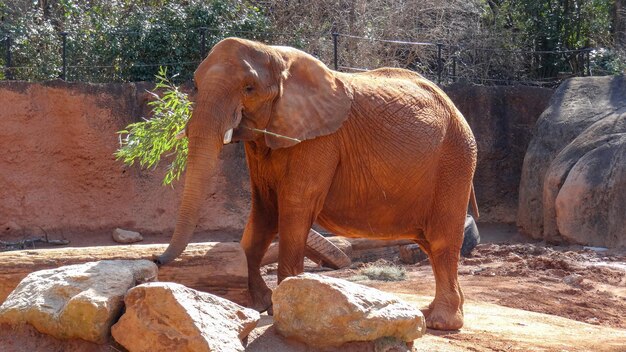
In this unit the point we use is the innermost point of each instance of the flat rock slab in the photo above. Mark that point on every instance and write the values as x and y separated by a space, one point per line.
323 311
165 316
219 268
75 301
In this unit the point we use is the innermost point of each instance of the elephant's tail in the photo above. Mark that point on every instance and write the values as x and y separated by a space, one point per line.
473 201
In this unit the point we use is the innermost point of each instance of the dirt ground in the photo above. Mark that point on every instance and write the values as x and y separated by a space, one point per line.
519 296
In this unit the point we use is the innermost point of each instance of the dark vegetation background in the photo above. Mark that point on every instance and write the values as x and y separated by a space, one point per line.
536 42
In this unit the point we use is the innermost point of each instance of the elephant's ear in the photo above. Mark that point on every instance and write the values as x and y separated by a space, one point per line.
313 102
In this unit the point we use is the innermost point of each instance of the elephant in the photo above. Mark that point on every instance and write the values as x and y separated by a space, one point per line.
382 154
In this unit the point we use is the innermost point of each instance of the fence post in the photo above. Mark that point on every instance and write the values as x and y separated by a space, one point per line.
64 55
8 73
335 59
439 62
454 68
203 43
588 62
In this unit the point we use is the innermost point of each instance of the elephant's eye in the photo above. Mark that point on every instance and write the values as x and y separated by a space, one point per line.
249 89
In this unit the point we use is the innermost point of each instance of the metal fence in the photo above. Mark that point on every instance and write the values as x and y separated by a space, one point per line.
443 63
74 59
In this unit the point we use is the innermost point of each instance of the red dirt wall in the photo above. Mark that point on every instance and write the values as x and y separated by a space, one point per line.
58 172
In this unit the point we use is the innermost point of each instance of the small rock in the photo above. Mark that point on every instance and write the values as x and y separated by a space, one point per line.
573 279
391 344
75 301
411 254
477 271
596 249
165 316
125 236
323 312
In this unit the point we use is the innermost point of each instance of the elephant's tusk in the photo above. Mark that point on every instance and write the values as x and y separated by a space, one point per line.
228 136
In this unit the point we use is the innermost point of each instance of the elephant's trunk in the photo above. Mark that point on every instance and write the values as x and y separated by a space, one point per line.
201 165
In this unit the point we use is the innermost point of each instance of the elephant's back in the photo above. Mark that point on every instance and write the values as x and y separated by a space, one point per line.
395 120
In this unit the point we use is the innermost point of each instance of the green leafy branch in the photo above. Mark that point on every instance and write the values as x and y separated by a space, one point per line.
146 141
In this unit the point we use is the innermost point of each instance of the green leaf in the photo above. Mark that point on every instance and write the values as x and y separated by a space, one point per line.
148 141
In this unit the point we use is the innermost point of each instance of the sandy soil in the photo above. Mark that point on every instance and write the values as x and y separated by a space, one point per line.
519 296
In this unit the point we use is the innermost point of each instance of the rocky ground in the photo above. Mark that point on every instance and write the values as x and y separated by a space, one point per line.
519 296
578 284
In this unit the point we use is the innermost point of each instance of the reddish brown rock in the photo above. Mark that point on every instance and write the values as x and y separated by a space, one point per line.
75 301
164 316
411 253
323 311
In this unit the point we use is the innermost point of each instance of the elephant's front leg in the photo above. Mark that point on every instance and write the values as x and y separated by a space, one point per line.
294 228
260 230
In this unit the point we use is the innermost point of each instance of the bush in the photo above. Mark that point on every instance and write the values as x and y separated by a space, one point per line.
122 41
382 272
607 62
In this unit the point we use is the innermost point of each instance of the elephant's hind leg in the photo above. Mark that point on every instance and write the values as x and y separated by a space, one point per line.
445 312
444 237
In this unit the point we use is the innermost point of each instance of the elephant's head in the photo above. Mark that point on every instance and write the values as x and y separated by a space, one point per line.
247 91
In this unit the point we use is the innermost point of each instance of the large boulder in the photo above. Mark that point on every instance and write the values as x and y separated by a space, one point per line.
573 186
323 312
165 316
75 301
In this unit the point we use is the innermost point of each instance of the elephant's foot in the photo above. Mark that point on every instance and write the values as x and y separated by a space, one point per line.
443 317
261 299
